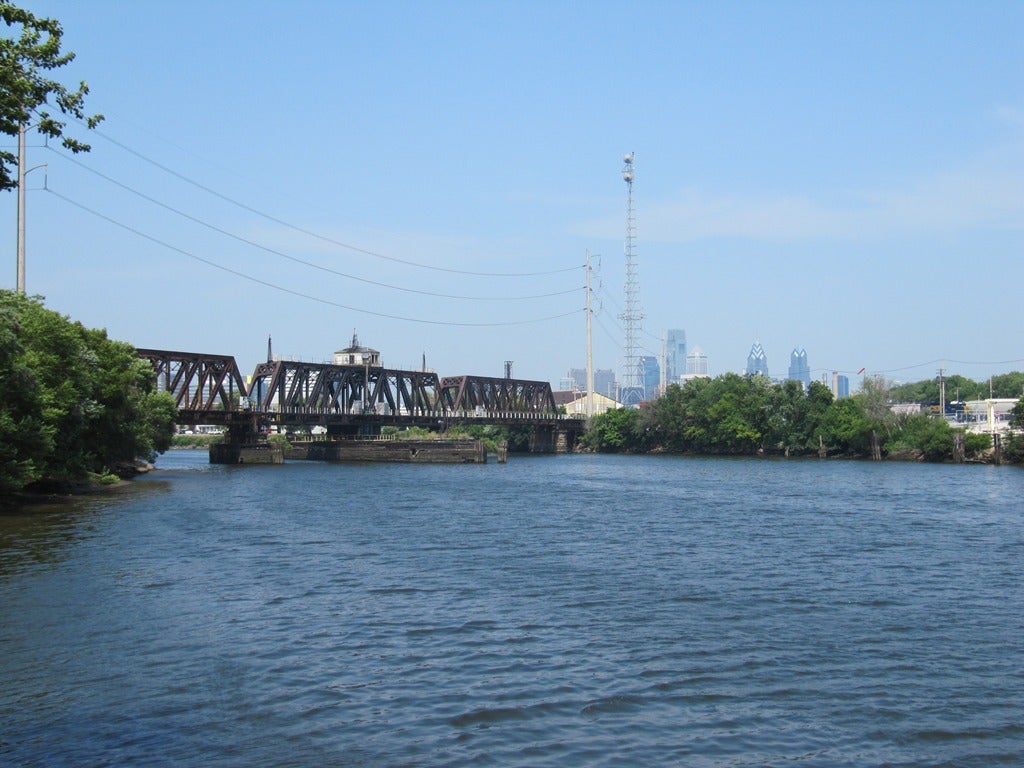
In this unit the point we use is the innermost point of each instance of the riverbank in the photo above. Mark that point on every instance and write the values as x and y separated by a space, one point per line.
48 492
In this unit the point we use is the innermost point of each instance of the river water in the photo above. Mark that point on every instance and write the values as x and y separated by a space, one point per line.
553 611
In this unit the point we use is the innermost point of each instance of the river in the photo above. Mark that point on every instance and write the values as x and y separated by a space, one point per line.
552 611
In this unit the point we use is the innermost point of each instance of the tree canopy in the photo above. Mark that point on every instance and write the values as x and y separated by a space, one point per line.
28 52
72 401
748 415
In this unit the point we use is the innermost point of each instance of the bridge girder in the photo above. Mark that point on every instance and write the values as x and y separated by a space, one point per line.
208 389
198 382
469 393
298 388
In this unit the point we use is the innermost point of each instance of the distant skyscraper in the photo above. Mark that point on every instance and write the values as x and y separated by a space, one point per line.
757 361
604 380
697 363
675 355
650 375
799 368
840 385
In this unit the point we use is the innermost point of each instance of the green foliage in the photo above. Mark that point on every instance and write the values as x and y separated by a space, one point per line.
195 441
29 50
1017 415
845 429
104 478
279 441
1013 449
1008 385
976 444
25 439
613 431
732 414
932 438
492 435
72 401
960 387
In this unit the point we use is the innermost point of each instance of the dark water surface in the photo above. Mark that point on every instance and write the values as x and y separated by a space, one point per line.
572 610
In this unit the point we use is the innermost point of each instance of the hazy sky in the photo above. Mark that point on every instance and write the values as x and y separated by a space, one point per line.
843 177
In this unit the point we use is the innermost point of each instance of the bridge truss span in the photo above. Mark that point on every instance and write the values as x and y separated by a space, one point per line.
486 395
350 400
204 386
313 391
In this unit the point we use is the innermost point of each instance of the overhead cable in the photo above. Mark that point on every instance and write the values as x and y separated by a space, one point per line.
295 259
276 287
316 235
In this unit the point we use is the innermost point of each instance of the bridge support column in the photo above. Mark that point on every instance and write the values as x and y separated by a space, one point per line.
542 440
553 439
245 443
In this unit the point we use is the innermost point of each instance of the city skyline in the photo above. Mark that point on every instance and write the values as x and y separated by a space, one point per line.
845 177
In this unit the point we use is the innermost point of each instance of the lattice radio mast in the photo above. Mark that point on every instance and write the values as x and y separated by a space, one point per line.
631 316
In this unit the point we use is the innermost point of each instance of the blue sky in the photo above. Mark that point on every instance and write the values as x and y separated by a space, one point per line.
843 177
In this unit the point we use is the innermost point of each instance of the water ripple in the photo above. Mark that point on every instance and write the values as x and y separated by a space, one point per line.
732 613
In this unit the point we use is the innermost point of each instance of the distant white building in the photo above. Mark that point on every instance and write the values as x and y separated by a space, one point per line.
906 409
696 364
990 416
575 402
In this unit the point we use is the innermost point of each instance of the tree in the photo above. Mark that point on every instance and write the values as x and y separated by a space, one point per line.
25 440
25 58
666 419
1008 384
1015 444
1017 415
613 431
846 428
72 401
931 437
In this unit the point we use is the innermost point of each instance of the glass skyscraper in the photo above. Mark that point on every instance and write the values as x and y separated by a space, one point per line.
604 380
799 368
675 355
650 375
757 361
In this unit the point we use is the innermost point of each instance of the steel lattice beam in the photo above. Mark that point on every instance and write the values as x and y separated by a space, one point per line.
493 395
293 387
210 389
198 382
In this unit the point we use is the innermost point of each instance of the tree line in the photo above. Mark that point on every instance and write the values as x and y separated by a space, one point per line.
73 403
750 415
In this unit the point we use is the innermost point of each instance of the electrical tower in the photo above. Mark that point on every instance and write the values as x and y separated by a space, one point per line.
632 389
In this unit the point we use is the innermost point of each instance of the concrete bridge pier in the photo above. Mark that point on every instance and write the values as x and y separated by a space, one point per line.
245 443
552 439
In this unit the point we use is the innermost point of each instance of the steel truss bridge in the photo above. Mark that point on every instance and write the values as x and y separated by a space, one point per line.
348 399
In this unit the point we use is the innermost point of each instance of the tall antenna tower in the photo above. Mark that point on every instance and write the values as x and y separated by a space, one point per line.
632 390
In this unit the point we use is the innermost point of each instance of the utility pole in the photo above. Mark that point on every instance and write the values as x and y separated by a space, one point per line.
942 393
22 173
590 349
21 208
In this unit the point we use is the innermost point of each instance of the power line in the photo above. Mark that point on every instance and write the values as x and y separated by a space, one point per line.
946 360
316 235
295 259
299 294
